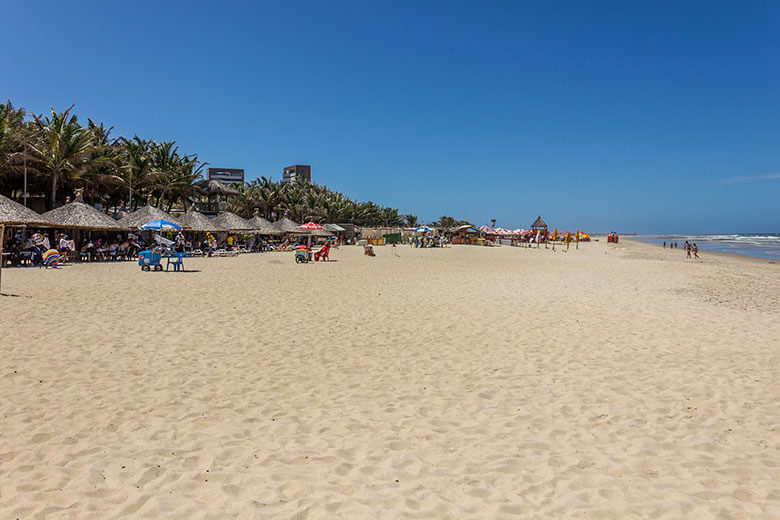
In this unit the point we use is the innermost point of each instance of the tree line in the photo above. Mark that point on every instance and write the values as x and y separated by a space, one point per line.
59 154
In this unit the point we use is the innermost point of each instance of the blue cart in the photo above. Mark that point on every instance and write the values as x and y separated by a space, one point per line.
149 259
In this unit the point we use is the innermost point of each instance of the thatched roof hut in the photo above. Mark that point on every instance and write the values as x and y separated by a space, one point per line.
285 225
196 221
227 221
539 223
213 187
78 215
13 213
143 215
261 225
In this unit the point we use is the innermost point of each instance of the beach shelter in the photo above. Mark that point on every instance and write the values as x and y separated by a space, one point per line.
213 190
14 214
285 225
333 228
143 215
230 222
261 225
78 215
196 221
160 225
539 224
487 229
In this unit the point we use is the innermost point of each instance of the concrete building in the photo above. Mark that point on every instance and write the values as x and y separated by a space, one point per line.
297 172
226 175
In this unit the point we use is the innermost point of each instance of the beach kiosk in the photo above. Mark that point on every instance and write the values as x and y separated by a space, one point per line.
539 229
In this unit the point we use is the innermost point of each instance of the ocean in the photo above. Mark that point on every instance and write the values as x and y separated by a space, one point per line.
757 245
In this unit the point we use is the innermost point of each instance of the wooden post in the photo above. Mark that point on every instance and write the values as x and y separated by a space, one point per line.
2 238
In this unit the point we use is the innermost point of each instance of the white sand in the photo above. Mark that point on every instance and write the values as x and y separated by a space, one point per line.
611 382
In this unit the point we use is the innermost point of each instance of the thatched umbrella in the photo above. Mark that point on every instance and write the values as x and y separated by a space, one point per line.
227 221
261 225
13 213
213 189
196 221
285 225
77 215
144 215
538 223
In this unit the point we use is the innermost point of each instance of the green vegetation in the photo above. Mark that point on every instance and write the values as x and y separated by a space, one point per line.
61 155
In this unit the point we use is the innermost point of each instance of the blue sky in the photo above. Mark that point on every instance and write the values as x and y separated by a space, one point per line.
654 117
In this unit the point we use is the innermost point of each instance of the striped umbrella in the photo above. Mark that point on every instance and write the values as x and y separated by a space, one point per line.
51 257
310 226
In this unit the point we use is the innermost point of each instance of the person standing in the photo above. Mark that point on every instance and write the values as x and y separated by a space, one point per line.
695 251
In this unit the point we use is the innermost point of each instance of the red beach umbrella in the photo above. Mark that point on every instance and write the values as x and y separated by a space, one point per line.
310 226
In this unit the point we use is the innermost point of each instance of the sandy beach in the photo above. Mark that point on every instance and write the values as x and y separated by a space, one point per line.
609 382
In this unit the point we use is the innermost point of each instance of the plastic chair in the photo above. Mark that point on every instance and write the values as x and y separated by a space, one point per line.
322 254
176 261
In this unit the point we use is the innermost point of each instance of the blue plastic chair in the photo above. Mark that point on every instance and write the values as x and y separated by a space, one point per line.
176 261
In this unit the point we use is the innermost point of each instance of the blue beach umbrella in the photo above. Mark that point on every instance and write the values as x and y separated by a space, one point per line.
160 225
423 229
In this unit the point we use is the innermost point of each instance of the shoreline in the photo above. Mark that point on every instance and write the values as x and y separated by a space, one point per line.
769 252
716 254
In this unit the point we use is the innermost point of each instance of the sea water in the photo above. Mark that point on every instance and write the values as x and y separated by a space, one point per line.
758 245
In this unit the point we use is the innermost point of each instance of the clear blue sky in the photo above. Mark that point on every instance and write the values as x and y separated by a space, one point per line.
652 117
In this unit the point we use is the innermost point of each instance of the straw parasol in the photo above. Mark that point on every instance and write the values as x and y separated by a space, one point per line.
144 215
227 221
539 223
196 221
13 213
214 187
261 225
285 225
78 215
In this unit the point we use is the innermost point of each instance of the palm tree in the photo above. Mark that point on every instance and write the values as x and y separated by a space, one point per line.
11 138
137 164
61 148
188 172
411 220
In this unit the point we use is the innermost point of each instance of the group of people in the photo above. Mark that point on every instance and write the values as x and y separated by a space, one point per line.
688 246
428 241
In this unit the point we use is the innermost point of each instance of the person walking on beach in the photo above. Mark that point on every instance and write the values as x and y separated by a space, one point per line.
687 249
695 251
665 245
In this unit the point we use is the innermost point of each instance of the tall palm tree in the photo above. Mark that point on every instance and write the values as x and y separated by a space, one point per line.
12 136
137 164
61 148
411 220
